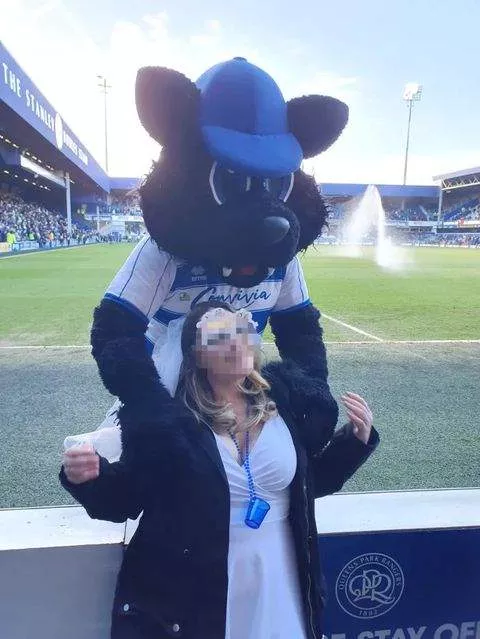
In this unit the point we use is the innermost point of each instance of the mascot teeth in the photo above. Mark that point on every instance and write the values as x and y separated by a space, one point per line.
226 271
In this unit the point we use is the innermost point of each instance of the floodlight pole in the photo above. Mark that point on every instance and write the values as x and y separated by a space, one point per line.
104 87
410 106
411 95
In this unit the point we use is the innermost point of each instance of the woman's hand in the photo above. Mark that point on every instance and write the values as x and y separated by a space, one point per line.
359 414
81 464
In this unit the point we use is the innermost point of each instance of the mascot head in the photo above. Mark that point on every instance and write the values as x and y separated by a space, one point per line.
228 191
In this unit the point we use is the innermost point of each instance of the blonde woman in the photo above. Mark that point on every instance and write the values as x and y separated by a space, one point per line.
224 471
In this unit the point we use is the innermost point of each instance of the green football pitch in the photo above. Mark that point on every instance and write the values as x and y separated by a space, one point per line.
408 341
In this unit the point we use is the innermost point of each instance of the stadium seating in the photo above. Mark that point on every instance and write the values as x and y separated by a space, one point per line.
448 239
21 221
413 213
125 204
467 209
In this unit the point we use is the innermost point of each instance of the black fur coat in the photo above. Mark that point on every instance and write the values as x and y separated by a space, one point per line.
173 581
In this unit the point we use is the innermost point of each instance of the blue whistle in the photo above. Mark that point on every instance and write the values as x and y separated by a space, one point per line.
257 509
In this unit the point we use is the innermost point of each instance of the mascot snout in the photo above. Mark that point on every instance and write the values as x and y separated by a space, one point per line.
275 228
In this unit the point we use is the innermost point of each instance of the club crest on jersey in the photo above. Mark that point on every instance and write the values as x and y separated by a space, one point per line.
198 270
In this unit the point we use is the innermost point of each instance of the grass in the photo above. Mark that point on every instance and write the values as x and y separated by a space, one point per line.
437 297
48 298
424 397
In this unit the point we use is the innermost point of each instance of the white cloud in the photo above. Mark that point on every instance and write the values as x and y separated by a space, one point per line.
63 60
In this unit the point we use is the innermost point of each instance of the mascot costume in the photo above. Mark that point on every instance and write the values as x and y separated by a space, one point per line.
227 208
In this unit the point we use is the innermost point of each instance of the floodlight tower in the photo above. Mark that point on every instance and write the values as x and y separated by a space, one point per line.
105 87
412 93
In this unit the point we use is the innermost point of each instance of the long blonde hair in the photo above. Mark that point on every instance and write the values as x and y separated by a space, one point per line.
196 391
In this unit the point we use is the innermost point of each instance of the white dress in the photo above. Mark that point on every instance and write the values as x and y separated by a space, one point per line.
264 600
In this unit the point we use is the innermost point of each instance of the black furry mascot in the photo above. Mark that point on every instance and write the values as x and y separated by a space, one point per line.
227 209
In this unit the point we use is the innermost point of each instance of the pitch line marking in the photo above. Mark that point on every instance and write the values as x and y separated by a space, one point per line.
352 328
345 343
39 251
50 250
46 347
411 341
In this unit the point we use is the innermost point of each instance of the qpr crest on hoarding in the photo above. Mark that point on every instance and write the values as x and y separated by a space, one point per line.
369 585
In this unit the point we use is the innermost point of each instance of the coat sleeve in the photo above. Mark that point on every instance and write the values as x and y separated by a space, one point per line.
340 459
114 496
152 441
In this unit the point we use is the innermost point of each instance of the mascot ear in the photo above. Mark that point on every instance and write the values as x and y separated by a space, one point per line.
167 104
316 121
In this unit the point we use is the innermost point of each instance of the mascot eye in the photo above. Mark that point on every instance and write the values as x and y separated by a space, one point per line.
280 188
226 184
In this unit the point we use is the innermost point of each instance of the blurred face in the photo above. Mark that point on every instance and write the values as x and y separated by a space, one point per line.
227 345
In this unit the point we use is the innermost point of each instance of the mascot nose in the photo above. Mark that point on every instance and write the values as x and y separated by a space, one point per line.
275 228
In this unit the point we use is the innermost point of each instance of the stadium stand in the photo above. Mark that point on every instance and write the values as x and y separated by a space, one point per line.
447 239
468 209
416 213
22 221
125 204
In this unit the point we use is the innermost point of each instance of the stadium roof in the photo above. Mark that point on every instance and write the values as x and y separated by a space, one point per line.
124 183
32 122
386 190
328 189
460 179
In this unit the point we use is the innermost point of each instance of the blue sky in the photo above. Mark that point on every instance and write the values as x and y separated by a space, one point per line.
361 51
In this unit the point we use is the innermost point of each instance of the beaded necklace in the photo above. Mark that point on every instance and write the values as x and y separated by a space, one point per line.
257 507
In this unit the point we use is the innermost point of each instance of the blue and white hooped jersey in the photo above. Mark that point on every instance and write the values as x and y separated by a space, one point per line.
159 288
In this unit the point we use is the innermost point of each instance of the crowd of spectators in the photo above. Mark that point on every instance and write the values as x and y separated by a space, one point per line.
338 211
448 239
468 209
411 214
125 204
22 221
405 237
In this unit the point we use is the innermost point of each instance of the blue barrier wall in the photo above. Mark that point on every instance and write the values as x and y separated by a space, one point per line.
403 585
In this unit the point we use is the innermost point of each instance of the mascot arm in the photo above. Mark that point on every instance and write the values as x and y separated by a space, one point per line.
299 338
294 322
120 321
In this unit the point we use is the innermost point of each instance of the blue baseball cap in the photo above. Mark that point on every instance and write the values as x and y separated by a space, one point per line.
243 119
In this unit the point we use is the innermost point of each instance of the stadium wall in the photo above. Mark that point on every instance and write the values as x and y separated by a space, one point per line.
387 559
